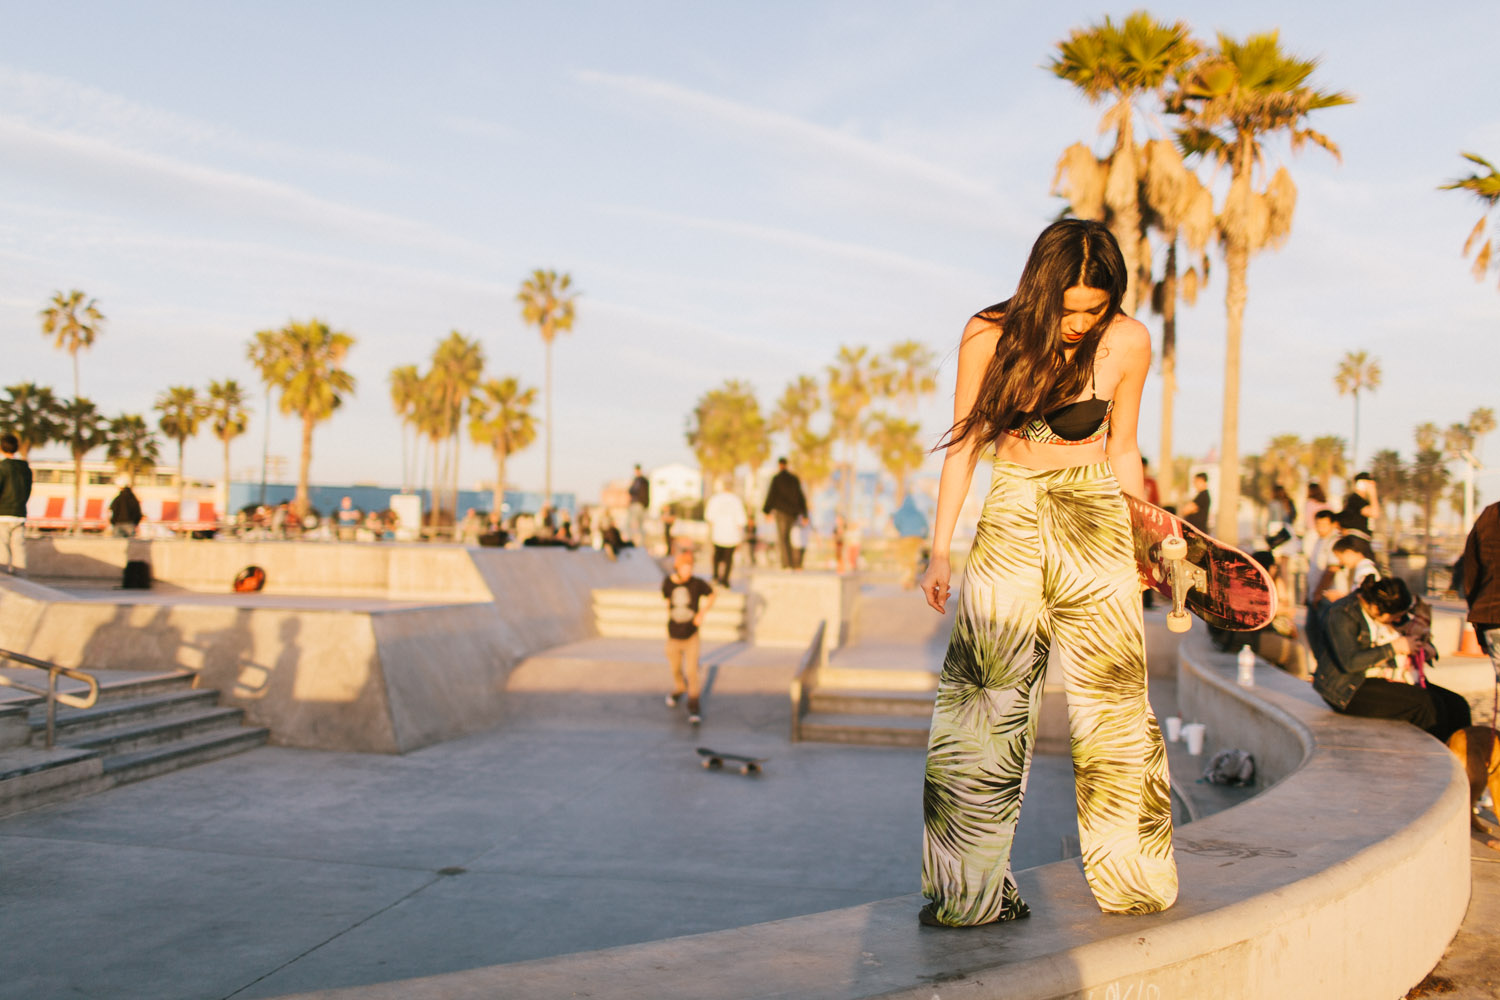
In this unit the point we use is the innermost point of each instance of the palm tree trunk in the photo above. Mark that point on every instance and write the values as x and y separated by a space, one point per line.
77 484
1237 257
1122 195
224 501
181 480
1354 458
1164 463
547 479
432 491
304 467
499 506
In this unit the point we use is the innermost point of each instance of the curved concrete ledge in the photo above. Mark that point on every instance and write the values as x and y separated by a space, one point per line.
1347 878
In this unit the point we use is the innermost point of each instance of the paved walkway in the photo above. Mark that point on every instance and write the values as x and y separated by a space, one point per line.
582 823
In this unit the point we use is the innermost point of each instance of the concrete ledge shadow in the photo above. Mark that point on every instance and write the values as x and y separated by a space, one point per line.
1347 878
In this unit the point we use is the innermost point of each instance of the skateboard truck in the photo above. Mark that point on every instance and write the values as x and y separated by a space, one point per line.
1174 551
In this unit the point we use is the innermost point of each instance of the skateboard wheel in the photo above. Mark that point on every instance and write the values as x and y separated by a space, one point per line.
1173 548
1179 622
713 763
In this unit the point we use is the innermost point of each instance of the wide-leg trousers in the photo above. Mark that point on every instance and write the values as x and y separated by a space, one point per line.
1051 575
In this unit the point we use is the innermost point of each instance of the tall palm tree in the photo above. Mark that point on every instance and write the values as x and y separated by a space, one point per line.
302 360
500 419
457 365
74 322
854 379
1356 371
912 372
1485 187
87 430
1325 460
406 392
33 414
726 430
181 412
547 303
1283 461
1230 101
1181 209
229 409
1481 422
1118 64
896 443
132 446
1428 435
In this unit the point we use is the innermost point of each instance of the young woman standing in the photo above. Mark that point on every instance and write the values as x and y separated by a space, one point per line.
1052 380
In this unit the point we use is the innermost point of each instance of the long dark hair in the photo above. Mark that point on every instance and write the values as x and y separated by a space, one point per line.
1029 372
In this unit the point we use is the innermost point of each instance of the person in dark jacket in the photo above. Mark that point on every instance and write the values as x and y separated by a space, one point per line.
124 512
1480 576
1359 636
640 502
15 490
786 503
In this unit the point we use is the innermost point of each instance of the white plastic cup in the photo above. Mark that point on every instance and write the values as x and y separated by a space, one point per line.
1193 733
1174 728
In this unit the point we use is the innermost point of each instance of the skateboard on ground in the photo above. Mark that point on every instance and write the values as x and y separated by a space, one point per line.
714 759
1198 573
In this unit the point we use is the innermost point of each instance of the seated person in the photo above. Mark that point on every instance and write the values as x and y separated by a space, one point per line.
1361 639
547 536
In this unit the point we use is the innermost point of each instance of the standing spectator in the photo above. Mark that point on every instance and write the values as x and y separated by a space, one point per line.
640 502
1316 500
124 511
725 514
1320 560
279 518
668 519
752 540
1481 580
688 600
1360 504
785 502
1153 492
348 520
469 529
15 490
1195 511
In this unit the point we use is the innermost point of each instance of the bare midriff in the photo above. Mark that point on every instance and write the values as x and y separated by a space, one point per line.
1047 456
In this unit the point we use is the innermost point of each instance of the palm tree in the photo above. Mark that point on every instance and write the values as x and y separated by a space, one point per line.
181 411
1118 64
547 304
1356 371
911 372
33 414
1481 422
1427 436
457 364
406 393
1325 460
1283 461
1485 187
73 321
1390 476
1428 476
86 431
302 361
854 379
500 418
1181 209
896 443
229 409
726 430
132 447
1230 101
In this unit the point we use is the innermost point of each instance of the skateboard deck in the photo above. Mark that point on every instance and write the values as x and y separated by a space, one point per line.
1198 573
715 759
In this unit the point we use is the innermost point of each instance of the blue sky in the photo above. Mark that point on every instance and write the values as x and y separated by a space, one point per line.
738 189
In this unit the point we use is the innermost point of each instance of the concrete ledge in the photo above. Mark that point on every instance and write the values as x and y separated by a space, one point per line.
1347 878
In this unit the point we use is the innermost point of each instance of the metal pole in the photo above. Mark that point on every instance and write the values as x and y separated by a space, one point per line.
265 451
51 705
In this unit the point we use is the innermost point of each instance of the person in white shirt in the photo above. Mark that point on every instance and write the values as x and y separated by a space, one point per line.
725 514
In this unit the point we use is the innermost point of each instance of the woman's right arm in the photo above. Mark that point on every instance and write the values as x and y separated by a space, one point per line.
974 354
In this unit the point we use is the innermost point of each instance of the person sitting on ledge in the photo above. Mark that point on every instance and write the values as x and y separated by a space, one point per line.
1361 638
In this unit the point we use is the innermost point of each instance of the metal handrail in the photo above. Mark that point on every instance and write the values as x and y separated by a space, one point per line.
50 692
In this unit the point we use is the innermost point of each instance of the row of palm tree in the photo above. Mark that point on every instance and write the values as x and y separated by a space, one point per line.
1224 102
727 429
435 403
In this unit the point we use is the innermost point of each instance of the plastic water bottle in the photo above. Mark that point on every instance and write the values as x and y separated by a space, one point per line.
1247 667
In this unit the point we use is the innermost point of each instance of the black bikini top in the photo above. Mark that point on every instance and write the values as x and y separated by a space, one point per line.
1080 422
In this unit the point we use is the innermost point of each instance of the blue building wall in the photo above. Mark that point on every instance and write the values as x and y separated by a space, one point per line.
326 499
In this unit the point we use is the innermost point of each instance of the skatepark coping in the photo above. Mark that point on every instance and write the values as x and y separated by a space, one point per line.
1291 894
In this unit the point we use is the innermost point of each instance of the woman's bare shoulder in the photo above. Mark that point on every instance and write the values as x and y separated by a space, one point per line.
1129 336
981 329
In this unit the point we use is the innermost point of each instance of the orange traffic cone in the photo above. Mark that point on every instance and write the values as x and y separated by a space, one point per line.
1468 642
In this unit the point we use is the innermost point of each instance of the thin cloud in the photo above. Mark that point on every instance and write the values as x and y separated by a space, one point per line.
102 165
800 134
66 105
480 128
793 239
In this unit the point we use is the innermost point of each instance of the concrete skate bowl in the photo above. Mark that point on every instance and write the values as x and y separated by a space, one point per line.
1347 876
369 647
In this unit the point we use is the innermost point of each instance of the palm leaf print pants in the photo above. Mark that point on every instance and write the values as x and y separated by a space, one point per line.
1052 574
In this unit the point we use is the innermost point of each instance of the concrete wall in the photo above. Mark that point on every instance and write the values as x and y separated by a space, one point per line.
365 677
786 607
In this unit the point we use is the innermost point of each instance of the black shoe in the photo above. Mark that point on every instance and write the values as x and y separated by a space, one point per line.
693 716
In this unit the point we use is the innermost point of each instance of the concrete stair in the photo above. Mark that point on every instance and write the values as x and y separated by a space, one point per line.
140 726
641 613
871 706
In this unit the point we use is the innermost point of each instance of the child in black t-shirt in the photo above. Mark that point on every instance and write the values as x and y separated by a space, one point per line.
688 600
